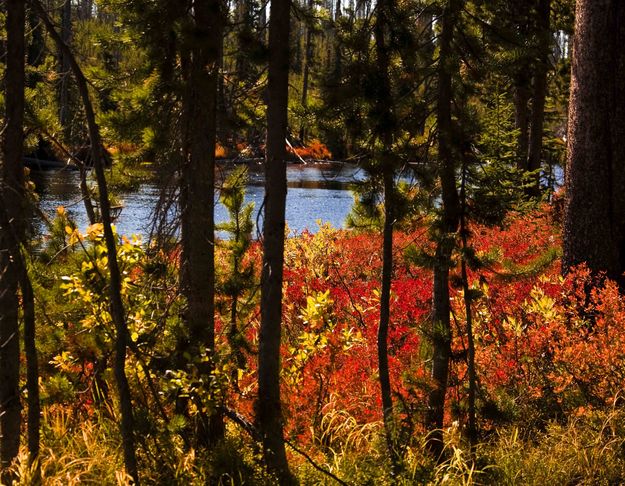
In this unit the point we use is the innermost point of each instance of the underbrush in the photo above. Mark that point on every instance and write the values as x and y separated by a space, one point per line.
583 451
549 360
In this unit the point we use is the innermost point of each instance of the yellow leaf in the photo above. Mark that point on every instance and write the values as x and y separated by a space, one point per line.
95 230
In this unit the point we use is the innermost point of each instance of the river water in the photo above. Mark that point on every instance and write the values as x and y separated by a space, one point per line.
316 192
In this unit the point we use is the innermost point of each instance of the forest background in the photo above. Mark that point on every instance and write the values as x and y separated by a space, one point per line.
468 327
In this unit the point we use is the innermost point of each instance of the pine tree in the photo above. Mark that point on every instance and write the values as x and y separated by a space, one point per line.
594 227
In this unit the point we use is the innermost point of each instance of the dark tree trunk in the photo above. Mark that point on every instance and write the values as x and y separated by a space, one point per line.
12 191
338 61
385 301
32 365
441 326
308 55
64 68
472 431
534 155
35 54
385 126
269 406
116 305
594 226
14 199
197 195
85 193
522 116
521 80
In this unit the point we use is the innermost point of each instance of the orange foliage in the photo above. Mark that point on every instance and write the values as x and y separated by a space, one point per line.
314 150
220 151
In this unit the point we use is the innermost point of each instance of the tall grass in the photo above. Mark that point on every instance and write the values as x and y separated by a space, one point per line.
587 450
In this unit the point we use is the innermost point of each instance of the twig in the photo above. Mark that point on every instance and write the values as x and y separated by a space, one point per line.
315 465
255 434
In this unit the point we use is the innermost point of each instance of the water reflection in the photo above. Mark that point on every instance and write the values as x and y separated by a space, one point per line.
316 192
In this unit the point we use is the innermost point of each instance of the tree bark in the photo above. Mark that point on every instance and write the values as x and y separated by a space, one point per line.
441 326
522 116
197 195
12 191
269 406
12 247
385 124
308 55
35 51
116 305
534 155
32 364
472 430
594 226
64 68
385 304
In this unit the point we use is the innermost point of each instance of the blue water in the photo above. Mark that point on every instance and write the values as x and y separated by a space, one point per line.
317 193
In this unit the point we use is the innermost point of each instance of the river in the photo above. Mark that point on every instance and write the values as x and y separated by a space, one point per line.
316 192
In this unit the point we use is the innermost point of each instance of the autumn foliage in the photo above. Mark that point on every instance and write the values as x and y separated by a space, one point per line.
543 349
548 348
314 150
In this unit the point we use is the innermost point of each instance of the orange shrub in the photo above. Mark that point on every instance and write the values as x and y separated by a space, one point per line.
314 150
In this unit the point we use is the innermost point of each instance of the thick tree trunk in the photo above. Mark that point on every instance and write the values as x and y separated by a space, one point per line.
441 326
534 155
197 199
594 226
12 247
116 305
269 407
12 191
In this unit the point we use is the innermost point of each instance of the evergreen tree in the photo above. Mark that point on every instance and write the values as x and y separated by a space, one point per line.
12 192
269 406
594 227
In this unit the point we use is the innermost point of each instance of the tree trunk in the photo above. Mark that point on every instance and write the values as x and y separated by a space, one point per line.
64 69
385 302
308 55
36 49
522 116
269 407
12 247
338 61
13 234
385 126
472 431
12 191
197 195
534 155
441 326
594 226
32 365
116 305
